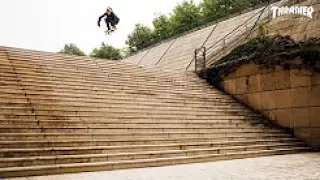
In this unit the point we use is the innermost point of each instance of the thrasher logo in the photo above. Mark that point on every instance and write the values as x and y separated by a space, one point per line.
295 10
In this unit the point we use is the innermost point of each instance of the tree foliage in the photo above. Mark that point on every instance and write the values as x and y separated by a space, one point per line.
106 52
72 49
162 27
186 16
141 37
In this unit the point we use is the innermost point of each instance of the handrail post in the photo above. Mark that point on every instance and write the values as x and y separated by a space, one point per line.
224 43
195 59
204 58
246 24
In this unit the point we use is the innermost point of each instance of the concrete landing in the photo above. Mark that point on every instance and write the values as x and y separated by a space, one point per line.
285 167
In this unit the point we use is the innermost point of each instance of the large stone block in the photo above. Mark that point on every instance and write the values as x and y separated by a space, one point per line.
314 96
312 25
275 81
229 86
314 114
301 117
315 135
300 97
247 70
300 78
284 117
315 79
230 76
241 85
243 98
300 28
303 134
255 101
283 98
254 84
268 102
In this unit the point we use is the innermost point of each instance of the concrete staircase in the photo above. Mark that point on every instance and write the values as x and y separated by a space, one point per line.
63 114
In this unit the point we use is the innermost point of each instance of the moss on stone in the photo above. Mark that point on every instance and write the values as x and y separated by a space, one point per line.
266 52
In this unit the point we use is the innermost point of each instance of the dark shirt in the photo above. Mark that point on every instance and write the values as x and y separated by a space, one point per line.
112 17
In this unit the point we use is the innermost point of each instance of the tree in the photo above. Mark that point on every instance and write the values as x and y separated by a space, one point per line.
72 49
106 52
185 16
209 9
125 52
141 37
227 7
162 27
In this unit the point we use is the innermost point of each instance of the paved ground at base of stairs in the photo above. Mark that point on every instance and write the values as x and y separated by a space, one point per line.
304 166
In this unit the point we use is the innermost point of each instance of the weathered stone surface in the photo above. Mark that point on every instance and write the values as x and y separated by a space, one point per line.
304 134
255 101
304 166
230 86
284 117
241 85
254 84
300 97
268 100
275 81
314 95
314 114
300 78
283 98
243 98
315 79
247 70
301 117
315 133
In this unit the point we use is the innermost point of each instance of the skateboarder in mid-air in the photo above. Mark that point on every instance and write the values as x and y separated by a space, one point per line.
111 20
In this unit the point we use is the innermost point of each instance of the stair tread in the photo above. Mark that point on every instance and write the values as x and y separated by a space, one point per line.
12 169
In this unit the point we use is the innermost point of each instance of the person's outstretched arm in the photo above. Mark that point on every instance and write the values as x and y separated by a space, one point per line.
100 19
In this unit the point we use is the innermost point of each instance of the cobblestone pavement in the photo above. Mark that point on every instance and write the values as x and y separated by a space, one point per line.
285 167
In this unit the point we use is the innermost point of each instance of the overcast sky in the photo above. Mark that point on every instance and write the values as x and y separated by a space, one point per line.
49 24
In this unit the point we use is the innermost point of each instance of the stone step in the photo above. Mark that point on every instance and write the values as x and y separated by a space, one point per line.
99 92
132 94
132 118
54 110
118 98
73 146
134 136
134 123
113 165
132 143
141 129
123 71
93 63
20 100
11 103
106 156
98 78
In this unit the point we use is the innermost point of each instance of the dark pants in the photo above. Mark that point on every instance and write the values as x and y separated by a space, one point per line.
110 23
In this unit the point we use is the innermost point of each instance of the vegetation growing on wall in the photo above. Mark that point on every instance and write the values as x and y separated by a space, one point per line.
266 52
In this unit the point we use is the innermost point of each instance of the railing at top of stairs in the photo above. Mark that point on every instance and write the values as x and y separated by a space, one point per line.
237 36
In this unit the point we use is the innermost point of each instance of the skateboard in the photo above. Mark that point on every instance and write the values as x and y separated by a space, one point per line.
109 32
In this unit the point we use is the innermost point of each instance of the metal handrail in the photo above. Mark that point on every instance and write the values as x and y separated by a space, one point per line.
205 41
235 36
223 38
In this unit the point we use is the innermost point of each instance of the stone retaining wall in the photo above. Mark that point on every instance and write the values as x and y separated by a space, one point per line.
290 98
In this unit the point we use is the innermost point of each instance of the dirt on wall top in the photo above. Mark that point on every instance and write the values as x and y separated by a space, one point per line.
267 52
